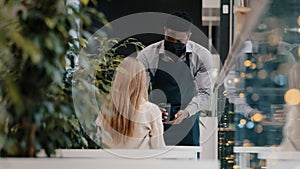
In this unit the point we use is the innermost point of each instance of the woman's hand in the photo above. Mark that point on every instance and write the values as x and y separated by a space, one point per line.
164 113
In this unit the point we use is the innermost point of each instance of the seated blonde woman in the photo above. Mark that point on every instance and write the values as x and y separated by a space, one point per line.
127 119
291 140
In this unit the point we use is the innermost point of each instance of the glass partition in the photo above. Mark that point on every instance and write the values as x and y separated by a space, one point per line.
257 76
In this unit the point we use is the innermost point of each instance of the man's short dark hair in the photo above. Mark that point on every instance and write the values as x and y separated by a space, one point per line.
179 21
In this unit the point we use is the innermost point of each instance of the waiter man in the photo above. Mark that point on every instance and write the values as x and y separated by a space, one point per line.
178 73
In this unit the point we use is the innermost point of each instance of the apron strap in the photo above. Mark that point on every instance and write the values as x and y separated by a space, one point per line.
187 61
187 58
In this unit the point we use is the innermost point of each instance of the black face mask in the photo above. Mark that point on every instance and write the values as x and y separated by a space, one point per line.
176 48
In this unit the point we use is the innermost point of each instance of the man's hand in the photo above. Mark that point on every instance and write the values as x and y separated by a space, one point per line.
179 116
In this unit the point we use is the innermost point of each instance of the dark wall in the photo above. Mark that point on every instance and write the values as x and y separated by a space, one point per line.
223 46
114 9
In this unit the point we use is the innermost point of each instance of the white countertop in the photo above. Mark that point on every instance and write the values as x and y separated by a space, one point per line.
280 155
98 163
254 149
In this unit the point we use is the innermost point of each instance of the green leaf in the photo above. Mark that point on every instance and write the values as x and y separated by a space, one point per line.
84 141
202 124
84 2
15 95
50 22
27 46
83 42
49 44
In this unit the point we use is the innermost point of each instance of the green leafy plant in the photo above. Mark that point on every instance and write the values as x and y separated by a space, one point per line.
36 108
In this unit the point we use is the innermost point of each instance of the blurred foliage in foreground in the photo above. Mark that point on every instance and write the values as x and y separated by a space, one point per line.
36 107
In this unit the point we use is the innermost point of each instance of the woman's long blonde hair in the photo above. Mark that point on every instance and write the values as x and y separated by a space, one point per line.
127 94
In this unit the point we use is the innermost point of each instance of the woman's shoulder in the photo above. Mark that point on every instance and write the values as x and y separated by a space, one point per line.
149 105
151 109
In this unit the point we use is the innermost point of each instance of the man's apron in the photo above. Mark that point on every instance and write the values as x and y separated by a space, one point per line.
173 83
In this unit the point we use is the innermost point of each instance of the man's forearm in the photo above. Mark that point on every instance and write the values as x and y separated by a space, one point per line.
198 102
